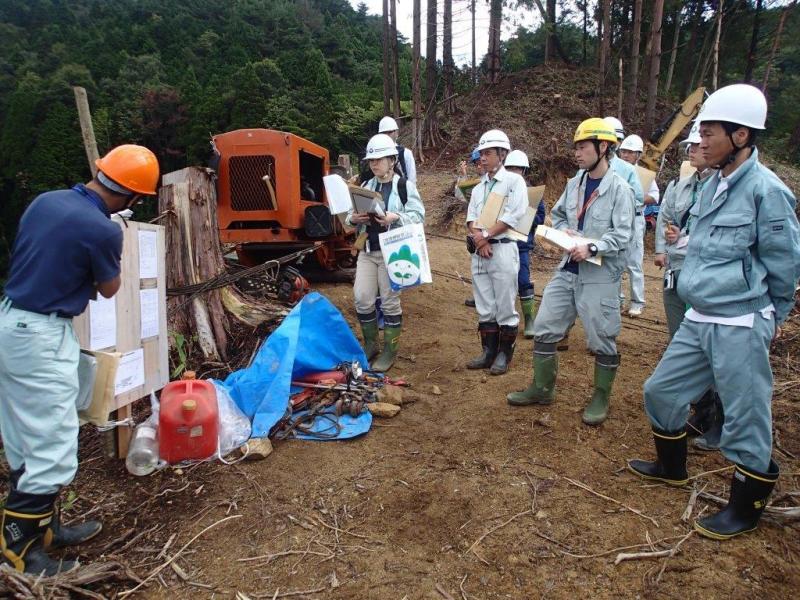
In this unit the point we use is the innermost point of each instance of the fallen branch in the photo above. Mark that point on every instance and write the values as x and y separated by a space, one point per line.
158 570
655 554
687 514
493 529
583 486
270 557
443 592
64 585
613 550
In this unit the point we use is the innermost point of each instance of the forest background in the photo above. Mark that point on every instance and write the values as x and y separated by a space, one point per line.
169 74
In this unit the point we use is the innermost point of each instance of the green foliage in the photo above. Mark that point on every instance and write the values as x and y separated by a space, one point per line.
167 74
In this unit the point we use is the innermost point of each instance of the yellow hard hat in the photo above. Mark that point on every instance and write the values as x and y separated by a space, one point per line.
595 129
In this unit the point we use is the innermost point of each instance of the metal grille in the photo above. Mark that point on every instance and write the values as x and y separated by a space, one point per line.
248 188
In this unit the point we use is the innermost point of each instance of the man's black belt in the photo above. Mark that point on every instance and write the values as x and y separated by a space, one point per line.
500 241
59 314
639 213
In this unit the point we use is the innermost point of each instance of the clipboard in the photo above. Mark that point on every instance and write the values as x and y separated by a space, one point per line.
563 241
366 201
521 231
491 210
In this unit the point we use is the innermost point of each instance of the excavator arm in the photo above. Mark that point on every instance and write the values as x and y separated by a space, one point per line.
671 128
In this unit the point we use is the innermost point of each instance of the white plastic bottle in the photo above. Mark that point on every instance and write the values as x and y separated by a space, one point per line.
143 452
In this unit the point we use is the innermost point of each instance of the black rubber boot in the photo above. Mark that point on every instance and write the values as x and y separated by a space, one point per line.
712 436
58 535
702 415
490 338
749 492
26 519
505 350
542 389
670 466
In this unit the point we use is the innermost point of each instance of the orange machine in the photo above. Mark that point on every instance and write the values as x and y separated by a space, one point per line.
271 199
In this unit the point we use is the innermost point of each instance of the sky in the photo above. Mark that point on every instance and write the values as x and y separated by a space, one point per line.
462 24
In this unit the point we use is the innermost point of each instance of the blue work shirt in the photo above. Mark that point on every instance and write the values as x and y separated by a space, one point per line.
65 245
591 186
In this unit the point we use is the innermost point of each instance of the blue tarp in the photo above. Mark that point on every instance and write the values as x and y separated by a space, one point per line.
313 337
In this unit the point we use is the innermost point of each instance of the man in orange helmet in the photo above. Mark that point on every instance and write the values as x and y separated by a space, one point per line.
66 251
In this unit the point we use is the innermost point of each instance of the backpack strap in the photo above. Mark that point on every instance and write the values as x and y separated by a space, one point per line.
401 160
402 190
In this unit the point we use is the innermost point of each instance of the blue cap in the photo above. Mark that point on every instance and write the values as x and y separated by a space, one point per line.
475 156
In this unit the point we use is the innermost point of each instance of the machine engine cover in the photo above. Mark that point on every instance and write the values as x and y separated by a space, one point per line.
318 222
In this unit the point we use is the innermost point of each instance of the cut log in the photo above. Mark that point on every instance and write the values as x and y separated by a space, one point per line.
188 208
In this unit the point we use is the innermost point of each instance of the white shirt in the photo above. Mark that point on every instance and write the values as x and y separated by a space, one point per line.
411 166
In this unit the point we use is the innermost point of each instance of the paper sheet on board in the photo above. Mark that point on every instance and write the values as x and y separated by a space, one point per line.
148 254
148 303
564 241
130 372
102 323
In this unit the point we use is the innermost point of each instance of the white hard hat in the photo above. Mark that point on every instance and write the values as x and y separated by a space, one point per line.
694 135
387 124
381 145
739 103
494 138
616 125
633 143
517 158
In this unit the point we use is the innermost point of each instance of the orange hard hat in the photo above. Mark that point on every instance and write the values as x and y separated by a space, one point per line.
133 167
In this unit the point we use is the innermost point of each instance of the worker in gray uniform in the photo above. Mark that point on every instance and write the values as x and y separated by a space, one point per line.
672 236
739 276
635 251
495 257
596 204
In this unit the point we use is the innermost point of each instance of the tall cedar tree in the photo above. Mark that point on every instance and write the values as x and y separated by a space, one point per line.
655 65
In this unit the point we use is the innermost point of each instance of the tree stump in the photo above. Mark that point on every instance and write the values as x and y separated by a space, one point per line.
187 202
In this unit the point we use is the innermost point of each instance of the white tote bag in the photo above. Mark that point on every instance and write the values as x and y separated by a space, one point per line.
405 254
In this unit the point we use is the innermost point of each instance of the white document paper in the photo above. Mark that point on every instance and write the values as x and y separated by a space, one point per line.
130 373
148 303
337 193
148 254
565 241
102 323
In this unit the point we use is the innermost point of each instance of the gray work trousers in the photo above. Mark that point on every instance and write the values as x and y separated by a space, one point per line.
494 283
633 264
566 298
674 308
735 360
372 279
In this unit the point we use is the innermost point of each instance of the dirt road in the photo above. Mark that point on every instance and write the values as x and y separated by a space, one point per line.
461 495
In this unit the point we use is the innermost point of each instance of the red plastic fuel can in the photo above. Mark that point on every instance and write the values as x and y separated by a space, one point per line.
188 421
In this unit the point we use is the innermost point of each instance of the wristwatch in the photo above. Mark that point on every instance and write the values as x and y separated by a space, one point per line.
593 249
485 233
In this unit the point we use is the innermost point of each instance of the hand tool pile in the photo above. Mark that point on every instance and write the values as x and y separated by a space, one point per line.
328 395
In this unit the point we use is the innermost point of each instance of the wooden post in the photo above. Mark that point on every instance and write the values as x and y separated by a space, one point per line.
87 129
344 162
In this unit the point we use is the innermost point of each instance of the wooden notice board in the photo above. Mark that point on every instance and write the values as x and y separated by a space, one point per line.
134 321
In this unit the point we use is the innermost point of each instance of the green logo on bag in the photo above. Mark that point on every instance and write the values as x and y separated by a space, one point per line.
404 267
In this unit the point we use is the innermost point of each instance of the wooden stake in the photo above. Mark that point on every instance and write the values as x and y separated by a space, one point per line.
87 129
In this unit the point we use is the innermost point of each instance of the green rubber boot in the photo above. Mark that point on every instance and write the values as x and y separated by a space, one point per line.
529 313
545 369
369 329
391 339
605 369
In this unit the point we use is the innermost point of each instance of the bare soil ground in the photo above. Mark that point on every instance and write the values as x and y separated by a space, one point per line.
459 496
